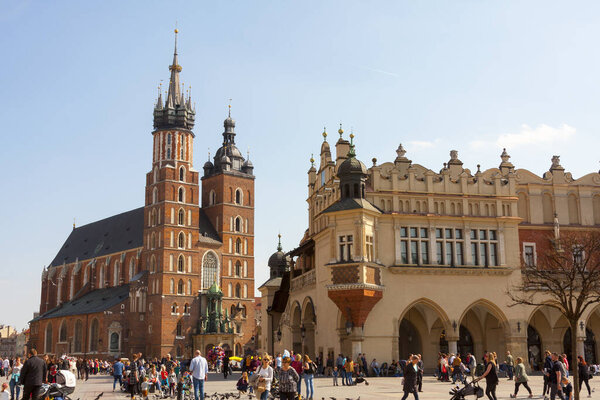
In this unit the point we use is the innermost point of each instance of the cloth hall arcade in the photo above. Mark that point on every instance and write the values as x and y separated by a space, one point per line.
398 259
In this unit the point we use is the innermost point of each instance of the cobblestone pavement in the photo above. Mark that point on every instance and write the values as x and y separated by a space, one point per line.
379 388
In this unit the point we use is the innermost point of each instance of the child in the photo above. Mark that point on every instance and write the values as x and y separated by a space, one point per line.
145 388
4 392
242 383
180 389
567 389
335 376
172 383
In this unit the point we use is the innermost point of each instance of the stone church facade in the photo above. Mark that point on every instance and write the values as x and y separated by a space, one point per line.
398 259
138 281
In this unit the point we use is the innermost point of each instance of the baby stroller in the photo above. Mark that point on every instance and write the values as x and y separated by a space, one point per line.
64 386
470 389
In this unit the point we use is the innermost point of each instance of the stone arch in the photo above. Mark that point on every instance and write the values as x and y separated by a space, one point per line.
309 318
487 325
573 203
296 323
419 329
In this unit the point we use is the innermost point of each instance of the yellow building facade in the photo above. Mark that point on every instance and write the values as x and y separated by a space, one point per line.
400 259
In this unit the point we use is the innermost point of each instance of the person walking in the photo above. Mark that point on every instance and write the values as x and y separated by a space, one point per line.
33 375
265 375
555 378
546 371
410 378
420 370
117 373
14 379
225 366
309 370
584 375
510 365
490 375
521 378
134 376
297 365
288 380
349 367
199 370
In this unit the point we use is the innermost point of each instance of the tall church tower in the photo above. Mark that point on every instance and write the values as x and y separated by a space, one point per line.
171 218
228 201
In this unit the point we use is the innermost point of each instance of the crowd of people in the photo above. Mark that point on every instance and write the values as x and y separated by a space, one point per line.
282 375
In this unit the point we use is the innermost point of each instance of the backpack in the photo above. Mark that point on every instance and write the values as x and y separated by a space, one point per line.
312 368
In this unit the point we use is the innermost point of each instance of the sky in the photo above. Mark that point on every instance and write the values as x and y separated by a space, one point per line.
79 80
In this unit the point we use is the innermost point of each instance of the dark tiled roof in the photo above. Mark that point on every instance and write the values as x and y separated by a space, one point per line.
92 302
281 296
351 204
274 282
208 233
110 235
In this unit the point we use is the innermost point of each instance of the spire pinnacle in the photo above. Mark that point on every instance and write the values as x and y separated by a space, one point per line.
279 248
174 96
352 152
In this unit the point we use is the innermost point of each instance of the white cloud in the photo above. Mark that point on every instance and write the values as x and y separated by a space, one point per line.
423 144
527 136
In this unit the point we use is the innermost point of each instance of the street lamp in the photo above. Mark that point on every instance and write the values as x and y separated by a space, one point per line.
581 325
279 335
303 331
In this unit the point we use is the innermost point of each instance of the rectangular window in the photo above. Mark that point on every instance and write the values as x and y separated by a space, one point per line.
459 253
448 233
529 255
413 232
424 232
404 251
492 235
349 246
403 232
474 256
424 252
473 234
482 234
483 256
458 233
414 252
342 248
369 240
449 254
439 249
323 178
438 233
493 259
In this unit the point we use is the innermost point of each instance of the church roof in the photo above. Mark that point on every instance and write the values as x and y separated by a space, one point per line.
208 233
110 235
93 302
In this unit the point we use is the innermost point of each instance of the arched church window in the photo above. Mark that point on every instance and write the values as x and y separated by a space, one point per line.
180 287
238 196
238 246
94 335
238 224
174 308
181 195
238 291
180 264
179 329
181 172
210 266
62 334
181 240
238 269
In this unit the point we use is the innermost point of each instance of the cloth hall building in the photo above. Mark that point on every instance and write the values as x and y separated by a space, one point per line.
171 276
400 259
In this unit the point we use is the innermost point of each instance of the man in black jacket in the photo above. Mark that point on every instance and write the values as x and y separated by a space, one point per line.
33 374
410 378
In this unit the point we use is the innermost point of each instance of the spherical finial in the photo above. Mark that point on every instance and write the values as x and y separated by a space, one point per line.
279 236
340 131
325 133
312 160
176 30
352 136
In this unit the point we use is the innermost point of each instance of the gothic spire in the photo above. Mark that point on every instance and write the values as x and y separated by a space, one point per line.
177 112
174 97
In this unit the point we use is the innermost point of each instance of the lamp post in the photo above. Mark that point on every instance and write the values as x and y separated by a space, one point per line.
279 334
302 335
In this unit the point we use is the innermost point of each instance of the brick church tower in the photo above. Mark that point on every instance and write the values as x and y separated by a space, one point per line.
228 201
171 220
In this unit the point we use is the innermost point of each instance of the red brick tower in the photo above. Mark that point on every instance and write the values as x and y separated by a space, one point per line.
171 226
228 201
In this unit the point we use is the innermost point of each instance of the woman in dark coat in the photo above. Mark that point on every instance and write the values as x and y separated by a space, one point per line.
410 378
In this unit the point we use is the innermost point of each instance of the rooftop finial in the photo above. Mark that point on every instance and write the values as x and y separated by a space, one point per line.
229 115
73 223
174 95
352 152
312 160
341 131
324 133
279 248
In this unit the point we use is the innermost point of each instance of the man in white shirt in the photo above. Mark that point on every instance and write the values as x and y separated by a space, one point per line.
6 365
199 370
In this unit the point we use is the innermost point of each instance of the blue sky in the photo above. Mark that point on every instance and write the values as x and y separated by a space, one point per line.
79 80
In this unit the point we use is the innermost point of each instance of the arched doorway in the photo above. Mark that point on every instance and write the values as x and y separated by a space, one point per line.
207 349
444 348
534 349
409 340
421 330
307 330
465 342
296 333
486 326
589 346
